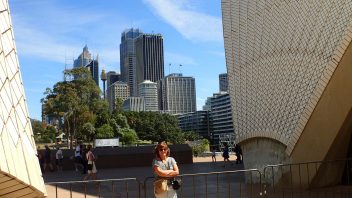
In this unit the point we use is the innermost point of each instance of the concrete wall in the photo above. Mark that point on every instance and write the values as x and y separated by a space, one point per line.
121 157
260 152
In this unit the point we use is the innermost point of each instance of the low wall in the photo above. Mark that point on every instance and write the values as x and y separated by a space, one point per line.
121 157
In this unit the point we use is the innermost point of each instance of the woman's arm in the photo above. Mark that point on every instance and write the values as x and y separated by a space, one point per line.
164 173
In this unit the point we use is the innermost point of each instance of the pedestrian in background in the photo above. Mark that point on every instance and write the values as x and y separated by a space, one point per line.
226 155
92 169
213 155
47 159
59 156
78 157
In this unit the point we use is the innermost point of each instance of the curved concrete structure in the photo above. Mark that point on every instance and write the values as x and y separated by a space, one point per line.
290 78
20 174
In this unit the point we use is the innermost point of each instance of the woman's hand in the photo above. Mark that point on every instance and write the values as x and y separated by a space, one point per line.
165 173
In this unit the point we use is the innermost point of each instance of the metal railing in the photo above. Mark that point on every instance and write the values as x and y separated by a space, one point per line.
308 179
315 178
125 187
213 184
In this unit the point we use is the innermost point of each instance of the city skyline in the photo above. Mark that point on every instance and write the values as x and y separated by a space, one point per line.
192 33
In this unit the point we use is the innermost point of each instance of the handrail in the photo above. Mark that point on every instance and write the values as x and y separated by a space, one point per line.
225 184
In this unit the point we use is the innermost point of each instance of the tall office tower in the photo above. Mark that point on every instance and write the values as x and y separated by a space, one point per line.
93 67
83 59
117 90
223 83
149 91
112 77
177 94
150 58
20 174
128 58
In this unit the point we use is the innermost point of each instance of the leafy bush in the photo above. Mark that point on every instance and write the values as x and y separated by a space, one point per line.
200 147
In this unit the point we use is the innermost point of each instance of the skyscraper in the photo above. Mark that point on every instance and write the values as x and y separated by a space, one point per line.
177 94
117 90
223 83
112 77
149 58
83 59
149 91
128 58
93 67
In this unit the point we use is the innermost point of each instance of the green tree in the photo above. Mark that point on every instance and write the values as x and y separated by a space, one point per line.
75 101
116 128
89 131
129 136
121 120
118 105
201 147
105 131
38 130
191 136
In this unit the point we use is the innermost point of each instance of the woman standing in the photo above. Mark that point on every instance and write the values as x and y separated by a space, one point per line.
92 170
165 168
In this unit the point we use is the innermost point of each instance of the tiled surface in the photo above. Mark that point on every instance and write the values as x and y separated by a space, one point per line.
17 148
280 56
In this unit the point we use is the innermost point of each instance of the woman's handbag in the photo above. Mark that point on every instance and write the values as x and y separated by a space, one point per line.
90 167
160 186
176 183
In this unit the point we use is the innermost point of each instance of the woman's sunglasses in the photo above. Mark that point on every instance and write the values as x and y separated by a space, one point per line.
163 149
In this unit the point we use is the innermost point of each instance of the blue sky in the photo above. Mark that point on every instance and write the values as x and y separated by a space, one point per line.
50 34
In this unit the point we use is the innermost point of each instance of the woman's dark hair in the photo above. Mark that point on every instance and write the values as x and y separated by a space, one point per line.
161 145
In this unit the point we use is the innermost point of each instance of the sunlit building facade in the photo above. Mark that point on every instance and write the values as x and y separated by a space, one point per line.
19 168
289 73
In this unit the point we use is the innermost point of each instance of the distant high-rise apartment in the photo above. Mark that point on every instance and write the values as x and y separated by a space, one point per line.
177 94
128 58
117 90
220 116
223 83
197 122
83 59
149 58
149 91
112 77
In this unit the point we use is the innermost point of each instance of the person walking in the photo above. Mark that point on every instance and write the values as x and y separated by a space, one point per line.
41 159
78 157
84 159
213 156
92 170
165 169
47 159
239 156
59 157
226 155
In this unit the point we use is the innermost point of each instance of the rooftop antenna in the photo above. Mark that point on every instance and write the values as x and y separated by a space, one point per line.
169 68
180 67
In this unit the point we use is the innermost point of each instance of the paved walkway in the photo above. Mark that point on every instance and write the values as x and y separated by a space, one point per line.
200 165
